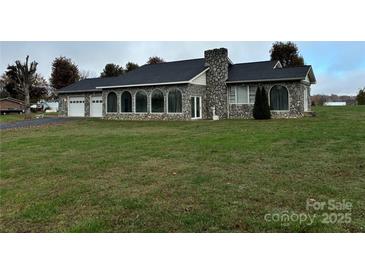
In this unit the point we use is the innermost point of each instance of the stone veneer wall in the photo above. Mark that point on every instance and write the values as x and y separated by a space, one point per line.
63 103
187 91
296 101
217 60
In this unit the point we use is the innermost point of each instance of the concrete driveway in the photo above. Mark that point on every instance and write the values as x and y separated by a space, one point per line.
34 122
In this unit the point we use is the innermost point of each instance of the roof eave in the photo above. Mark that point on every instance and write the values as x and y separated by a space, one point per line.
145 85
265 80
311 75
79 91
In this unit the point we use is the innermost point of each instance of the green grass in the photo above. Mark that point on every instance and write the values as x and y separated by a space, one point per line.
131 176
14 117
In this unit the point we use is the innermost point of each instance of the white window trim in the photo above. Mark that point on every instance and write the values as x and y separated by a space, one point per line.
269 95
235 95
168 102
135 102
124 112
200 108
106 103
163 94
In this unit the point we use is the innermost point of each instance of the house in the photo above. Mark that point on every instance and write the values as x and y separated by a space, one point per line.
11 105
191 89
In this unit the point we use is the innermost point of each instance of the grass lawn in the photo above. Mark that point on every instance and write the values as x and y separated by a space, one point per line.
92 175
14 117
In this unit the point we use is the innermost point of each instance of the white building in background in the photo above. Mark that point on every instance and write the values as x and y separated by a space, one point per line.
47 106
335 104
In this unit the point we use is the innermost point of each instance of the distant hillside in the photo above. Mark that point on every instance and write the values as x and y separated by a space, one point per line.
318 100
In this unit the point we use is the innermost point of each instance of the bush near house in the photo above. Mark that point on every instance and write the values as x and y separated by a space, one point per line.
261 109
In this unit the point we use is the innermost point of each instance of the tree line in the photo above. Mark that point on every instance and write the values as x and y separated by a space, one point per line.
22 81
64 72
320 99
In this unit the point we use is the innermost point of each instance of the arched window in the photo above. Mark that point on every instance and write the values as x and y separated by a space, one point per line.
141 101
279 98
126 102
112 102
157 101
175 101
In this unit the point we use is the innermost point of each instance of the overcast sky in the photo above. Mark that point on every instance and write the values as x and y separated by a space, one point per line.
338 66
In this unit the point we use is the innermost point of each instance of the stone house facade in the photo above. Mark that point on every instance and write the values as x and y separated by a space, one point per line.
191 89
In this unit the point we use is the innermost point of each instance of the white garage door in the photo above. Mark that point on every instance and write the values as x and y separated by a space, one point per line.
76 107
96 106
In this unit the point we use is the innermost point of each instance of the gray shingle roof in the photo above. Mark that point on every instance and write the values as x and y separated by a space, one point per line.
264 71
184 71
84 85
169 72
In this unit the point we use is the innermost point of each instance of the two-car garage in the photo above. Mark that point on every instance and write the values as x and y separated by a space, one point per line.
76 106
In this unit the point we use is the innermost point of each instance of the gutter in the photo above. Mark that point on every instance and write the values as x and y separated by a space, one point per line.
264 80
144 85
78 91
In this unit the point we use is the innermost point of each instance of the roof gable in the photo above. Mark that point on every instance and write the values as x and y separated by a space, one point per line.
267 71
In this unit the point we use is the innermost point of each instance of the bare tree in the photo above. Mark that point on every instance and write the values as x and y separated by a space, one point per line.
25 76
84 74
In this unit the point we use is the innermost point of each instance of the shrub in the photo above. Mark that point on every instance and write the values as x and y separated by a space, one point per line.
261 109
360 98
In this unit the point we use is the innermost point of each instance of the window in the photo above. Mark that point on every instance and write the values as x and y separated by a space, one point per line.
252 96
241 95
112 102
196 107
232 95
141 101
279 98
175 101
126 102
157 101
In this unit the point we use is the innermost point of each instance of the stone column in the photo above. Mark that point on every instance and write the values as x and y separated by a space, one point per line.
217 61
87 101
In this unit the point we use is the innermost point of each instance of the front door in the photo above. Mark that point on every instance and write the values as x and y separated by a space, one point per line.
196 107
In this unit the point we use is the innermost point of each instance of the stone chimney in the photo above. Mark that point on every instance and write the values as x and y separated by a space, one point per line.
216 96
